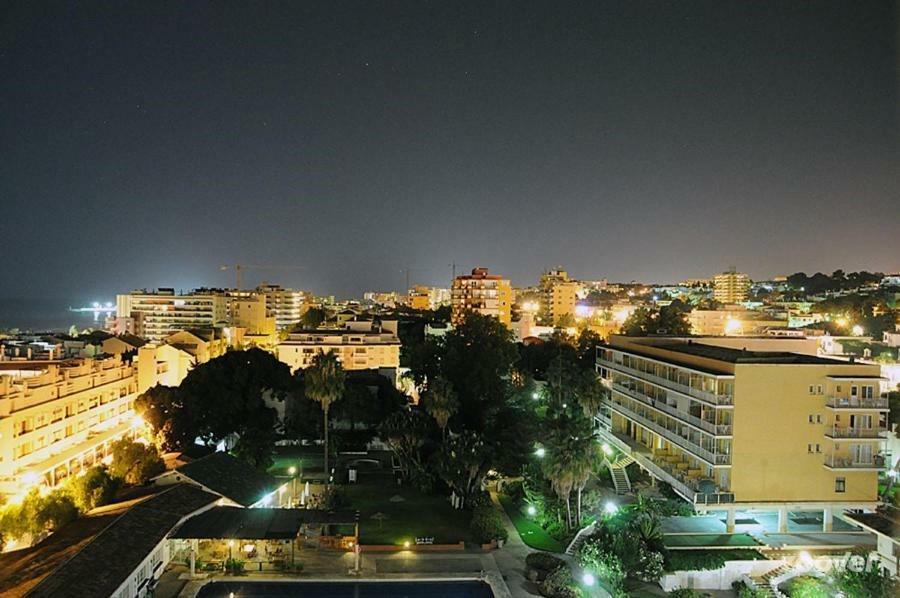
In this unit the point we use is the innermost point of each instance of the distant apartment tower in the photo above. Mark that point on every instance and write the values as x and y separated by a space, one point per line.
157 314
558 294
753 428
481 292
287 306
731 287
360 345
425 297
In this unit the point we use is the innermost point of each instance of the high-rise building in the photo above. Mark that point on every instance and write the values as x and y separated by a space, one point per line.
481 292
559 293
287 306
157 314
751 429
58 418
425 297
731 287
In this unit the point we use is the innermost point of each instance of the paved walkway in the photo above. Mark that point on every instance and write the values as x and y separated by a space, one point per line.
511 558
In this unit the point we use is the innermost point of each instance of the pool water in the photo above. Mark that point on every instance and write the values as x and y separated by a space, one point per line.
349 589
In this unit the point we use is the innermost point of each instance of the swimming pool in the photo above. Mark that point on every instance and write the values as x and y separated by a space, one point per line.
347 589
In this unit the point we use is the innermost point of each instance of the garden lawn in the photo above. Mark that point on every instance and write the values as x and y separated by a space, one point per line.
304 458
417 515
530 532
701 540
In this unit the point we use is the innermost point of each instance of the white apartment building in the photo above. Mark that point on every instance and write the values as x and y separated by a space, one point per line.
157 314
59 417
287 306
359 346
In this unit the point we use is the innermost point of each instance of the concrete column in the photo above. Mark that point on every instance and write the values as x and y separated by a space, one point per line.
729 521
827 519
782 520
193 562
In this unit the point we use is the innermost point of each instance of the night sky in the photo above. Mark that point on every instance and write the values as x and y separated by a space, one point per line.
145 144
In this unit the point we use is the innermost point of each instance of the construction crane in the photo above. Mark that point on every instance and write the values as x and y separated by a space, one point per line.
238 268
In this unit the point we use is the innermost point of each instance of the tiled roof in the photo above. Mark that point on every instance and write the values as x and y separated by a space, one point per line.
108 560
231 477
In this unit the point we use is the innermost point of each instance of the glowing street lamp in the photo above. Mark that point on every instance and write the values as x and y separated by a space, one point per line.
540 452
607 450
610 508
531 510
588 579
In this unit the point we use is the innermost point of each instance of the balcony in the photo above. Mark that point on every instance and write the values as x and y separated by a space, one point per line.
857 403
685 444
876 463
702 395
854 433
693 420
683 485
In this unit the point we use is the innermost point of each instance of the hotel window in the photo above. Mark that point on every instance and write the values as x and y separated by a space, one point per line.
840 484
820 389
854 391
868 392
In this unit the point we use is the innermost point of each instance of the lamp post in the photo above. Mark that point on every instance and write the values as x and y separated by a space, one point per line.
293 471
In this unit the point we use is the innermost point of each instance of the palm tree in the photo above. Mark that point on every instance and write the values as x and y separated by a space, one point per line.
324 382
570 460
441 402
557 468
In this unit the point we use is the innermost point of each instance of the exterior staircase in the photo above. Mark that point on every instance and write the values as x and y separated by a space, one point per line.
619 474
766 584
579 538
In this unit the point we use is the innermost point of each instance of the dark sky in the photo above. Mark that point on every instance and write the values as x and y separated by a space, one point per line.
145 144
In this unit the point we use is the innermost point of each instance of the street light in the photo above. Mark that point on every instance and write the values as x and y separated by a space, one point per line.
588 579
293 471
610 508
540 452
531 510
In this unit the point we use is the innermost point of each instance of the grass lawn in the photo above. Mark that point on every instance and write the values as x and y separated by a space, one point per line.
304 458
417 515
679 540
530 532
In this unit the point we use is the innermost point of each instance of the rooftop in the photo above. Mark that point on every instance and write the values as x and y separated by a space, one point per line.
231 477
107 560
730 355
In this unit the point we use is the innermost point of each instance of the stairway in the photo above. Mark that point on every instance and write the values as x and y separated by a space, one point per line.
764 583
619 474
579 538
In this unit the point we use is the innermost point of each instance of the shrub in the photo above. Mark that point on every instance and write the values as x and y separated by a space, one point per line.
745 591
649 566
135 462
487 525
560 584
869 582
93 489
543 563
604 564
234 566
685 593
807 586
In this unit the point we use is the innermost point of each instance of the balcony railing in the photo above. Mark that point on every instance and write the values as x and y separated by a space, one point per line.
703 395
684 487
712 428
857 403
833 462
859 433
684 443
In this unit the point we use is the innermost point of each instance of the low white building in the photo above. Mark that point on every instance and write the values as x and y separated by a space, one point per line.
360 345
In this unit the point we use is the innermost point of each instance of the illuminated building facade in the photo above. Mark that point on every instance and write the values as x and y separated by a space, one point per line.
731 287
732 322
359 346
60 417
733 429
481 292
287 306
159 313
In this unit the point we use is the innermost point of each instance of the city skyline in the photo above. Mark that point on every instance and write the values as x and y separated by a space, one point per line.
147 147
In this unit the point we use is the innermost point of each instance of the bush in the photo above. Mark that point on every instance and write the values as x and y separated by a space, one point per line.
684 593
135 462
234 566
560 584
745 591
487 525
707 560
604 564
543 561
807 586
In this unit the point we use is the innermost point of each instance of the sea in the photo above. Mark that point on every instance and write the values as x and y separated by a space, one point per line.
29 314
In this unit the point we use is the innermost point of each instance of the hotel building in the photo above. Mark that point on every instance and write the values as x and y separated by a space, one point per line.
482 292
157 314
287 306
746 430
60 417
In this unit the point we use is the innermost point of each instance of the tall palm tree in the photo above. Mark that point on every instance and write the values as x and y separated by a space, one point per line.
441 402
557 469
324 382
570 460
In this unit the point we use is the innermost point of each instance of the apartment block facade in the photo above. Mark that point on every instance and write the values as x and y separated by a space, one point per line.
481 292
60 417
157 314
735 429
359 346
731 287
